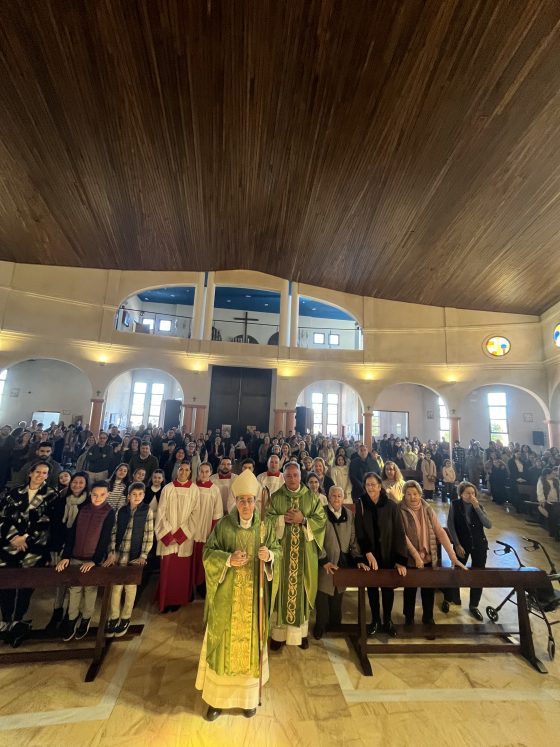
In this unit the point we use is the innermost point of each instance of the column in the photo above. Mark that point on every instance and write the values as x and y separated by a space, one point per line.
197 323
95 415
279 421
209 306
294 315
343 431
199 419
367 429
553 433
188 417
290 421
454 432
284 332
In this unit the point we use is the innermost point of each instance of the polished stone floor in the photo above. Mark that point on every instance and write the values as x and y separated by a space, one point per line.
145 692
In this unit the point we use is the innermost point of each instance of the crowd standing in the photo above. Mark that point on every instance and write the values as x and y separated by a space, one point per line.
153 498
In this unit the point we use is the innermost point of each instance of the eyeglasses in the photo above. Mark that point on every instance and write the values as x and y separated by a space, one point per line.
245 501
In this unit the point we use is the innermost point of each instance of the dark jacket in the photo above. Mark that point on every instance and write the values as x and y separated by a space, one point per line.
470 533
150 463
138 527
99 458
379 530
358 468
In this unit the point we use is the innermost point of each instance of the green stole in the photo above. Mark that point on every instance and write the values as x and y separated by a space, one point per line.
298 578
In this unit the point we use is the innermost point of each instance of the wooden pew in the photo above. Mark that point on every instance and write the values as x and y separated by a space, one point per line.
520 580
45 578
528 494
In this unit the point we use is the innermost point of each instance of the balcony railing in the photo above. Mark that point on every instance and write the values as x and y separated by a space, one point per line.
244 330
150 323
241 330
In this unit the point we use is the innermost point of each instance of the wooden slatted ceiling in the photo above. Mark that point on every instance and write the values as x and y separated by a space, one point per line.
403 149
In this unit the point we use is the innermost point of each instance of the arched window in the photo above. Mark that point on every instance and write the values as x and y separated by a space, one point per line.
322 325
249 315
165 312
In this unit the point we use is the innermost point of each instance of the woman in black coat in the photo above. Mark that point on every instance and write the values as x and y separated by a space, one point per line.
381 537
499 480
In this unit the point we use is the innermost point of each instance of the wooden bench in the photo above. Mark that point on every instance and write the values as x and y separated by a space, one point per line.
520 580
45 578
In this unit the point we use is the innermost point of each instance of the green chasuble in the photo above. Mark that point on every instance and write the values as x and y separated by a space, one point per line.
231 611
301 547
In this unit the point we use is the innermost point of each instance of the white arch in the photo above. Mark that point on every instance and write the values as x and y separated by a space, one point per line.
330 303
157 286
338 381
119 397
144 368
540 401
415 383
28 358
555 402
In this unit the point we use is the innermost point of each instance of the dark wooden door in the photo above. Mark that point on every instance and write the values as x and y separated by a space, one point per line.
239 397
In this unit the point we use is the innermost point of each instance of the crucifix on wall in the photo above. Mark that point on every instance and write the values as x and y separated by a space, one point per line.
245 319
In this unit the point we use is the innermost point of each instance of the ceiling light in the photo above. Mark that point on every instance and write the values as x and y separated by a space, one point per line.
313 308
247 296
229 300
266 304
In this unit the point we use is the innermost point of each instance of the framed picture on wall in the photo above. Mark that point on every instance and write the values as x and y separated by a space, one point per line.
527 417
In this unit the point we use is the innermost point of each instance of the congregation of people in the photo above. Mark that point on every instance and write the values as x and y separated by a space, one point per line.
187 506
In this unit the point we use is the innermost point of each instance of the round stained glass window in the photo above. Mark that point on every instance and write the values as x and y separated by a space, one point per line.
557 335
498 346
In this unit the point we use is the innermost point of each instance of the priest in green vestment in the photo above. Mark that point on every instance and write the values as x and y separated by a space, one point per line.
300 522
228 670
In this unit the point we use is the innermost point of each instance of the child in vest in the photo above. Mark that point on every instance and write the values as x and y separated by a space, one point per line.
86 545
131 541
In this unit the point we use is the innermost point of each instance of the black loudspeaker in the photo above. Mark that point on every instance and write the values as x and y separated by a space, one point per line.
170 416
538 438
304 420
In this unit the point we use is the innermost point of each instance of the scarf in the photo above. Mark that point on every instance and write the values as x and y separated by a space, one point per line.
71 508
421 524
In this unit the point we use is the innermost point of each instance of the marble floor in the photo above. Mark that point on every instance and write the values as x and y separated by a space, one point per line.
145 692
